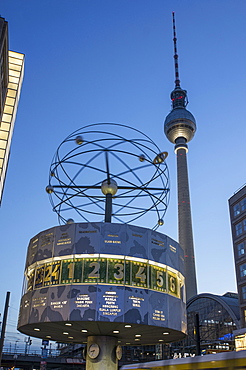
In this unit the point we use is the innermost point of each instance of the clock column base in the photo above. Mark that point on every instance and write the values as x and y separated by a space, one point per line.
101 353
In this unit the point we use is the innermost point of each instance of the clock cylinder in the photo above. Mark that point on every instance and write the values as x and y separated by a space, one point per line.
89 279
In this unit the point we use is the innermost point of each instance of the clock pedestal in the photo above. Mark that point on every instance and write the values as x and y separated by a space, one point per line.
101 353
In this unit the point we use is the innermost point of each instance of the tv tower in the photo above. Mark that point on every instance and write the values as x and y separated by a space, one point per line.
179 128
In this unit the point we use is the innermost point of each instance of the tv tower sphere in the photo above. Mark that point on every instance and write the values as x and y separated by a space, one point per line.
179 123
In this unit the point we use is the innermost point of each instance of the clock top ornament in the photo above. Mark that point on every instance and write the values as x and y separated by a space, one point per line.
109 170
180 124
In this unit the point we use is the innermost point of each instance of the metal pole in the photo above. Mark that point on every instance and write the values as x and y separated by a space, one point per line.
4 325
198 339
108 208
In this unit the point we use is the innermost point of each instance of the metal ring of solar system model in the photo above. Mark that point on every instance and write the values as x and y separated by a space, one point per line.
109 171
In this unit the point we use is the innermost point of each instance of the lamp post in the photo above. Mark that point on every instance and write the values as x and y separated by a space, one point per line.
15 350
4 324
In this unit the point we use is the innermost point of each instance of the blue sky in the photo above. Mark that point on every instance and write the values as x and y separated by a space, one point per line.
93 61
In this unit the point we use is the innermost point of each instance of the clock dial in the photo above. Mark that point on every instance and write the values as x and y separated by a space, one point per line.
93 351
84 352
118 352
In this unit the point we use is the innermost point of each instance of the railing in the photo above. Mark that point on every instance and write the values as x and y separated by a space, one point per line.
37 358
30 352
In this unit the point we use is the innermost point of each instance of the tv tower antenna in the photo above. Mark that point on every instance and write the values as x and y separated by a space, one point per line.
178 95
176 57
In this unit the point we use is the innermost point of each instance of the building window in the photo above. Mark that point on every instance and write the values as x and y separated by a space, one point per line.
238 228
240 249
243 204
236 209
244 225
244 292
243 270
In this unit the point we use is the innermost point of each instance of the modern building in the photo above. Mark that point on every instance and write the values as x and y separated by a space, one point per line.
218 318
12 70
211 323
237 206
180 127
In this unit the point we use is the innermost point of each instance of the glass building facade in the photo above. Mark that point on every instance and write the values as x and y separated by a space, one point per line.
218 318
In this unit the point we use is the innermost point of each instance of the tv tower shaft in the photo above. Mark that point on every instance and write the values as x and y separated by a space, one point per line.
185 223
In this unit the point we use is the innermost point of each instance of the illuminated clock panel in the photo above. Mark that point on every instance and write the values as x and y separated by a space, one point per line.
104 269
